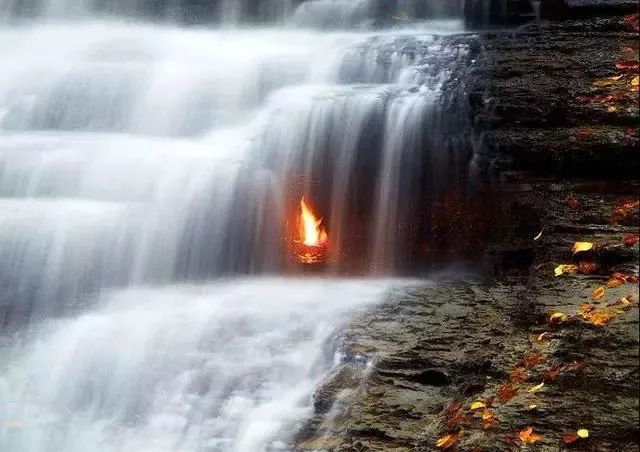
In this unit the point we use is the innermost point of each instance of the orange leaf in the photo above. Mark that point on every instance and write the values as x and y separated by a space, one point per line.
587 268
447 441
506 392
600 318
565 269
489 420
527 436
615 282
586 308
570 438
598 293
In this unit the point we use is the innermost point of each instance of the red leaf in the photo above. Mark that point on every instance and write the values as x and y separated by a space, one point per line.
627 65
570 438
531 360
631 239
553 373
632 21
506 392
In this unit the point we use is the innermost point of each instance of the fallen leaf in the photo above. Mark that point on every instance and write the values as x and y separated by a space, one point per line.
478 405
631 20
537 237
456 420
631 239
586 308
536 388
615 282
542 336
587 268
625 277
557 317
532 407
532 360
607 81
612 109
579 247
623 210
627 65
571 200
598 293
489 420
552 374
447 441
527 436
506 392
565 269
452 409
625 302
583 433
570 438
518 375
635 81
600 318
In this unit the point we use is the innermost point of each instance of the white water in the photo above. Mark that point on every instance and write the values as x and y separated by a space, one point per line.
140 163
220 367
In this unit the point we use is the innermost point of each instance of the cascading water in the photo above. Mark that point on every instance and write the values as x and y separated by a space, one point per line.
140 163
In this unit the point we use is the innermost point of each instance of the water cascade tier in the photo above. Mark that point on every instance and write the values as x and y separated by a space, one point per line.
151 175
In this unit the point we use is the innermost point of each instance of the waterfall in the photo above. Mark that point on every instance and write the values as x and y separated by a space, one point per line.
149 173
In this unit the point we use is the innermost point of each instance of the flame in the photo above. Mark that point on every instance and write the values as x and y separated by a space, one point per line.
312 233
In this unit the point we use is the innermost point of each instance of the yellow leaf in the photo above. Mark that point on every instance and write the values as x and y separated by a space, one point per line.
487 415
536 388
533 406
565 268
635 81
542 336
477 405
582 246
612 109
598 293
558 317
537 237
583 433
607 81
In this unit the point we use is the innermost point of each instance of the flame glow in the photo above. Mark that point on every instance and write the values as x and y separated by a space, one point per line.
312 233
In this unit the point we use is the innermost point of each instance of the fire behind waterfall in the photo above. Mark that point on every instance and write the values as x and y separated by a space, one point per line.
313 238
311 230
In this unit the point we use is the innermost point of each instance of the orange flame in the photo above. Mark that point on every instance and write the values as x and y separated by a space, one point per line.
312 233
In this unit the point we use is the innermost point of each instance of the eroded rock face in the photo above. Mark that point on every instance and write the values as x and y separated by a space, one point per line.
434 346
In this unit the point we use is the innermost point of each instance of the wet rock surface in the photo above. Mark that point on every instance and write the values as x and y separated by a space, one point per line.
566 172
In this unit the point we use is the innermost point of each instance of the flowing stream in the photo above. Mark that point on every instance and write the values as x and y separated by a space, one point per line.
148 174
